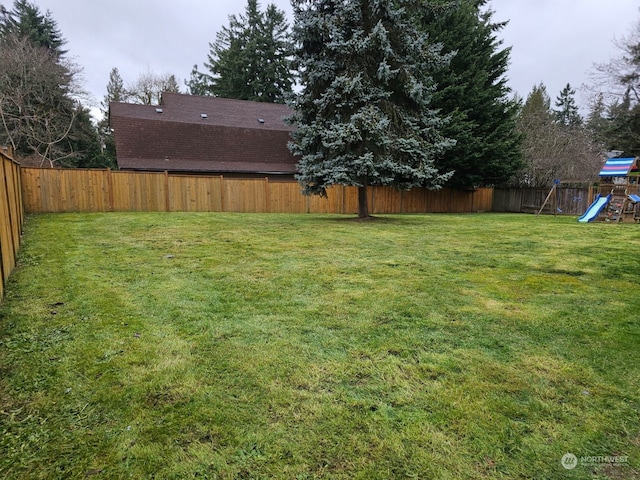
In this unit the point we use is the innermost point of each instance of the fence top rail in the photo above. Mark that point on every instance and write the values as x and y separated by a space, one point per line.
7 154
33 167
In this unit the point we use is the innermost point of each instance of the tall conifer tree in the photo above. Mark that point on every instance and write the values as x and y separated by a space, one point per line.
364 116
250 59
474 92
25 20
116 92
623 126
566 111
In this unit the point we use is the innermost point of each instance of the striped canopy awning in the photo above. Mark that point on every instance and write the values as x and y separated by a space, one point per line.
617 167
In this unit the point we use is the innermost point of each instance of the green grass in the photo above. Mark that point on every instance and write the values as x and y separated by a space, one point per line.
298 347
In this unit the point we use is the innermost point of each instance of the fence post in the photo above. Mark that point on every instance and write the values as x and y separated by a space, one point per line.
110 187
13 242
167 200
372 207
222 187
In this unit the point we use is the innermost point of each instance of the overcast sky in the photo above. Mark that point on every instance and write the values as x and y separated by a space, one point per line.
553 41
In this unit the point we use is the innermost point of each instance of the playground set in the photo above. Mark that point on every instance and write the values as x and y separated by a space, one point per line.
618 198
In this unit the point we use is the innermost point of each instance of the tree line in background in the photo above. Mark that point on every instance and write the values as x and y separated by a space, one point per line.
402 92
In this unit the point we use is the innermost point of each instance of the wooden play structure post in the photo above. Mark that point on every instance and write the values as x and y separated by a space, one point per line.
553 190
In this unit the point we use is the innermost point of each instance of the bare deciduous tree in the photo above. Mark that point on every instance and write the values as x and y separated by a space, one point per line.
616 87
37 109
620 76
553 150
149 86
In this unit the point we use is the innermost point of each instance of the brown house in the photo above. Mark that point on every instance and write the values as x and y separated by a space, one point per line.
188 133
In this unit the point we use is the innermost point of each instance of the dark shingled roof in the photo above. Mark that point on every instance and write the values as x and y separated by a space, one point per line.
203 134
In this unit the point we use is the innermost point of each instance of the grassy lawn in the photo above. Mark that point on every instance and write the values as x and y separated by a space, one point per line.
298 347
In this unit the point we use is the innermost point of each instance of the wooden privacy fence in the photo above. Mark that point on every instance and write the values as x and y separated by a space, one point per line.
569 200
48 190
11 216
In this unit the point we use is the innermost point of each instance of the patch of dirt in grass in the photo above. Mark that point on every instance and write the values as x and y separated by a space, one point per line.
622 472
370 218
163 398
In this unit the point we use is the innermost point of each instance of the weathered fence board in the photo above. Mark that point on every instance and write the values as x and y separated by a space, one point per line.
564 201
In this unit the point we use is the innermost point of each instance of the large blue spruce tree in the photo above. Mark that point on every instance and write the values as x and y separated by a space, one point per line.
363 116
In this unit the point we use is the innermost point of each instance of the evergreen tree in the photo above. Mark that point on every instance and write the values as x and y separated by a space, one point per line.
250 59
473 91
116 92
539 103
276 78
199 83
596 123
566 112
84 142
595 119
623 126
364 115
26 20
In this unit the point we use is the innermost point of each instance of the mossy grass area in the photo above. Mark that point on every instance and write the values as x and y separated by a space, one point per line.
230 346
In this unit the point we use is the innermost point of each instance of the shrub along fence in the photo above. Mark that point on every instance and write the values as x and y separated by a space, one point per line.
48 190
11 215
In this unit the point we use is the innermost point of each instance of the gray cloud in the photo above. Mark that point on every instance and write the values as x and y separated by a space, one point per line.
553 41
558 41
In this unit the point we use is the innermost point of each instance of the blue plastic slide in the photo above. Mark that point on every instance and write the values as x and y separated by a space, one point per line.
595 208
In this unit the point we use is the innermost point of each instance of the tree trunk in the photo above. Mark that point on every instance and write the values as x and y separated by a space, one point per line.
363 205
